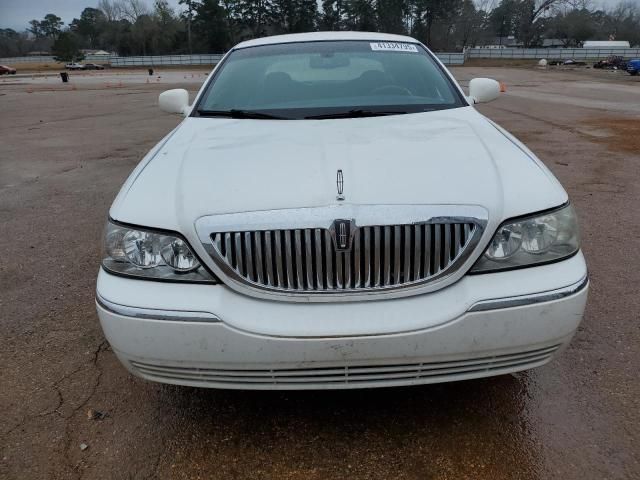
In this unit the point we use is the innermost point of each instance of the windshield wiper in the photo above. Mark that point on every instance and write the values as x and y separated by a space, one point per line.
357 113
233 113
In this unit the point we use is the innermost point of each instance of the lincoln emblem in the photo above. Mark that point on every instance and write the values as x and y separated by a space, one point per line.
342 230
340 185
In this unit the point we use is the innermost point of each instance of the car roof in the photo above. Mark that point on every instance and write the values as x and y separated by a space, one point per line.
325 36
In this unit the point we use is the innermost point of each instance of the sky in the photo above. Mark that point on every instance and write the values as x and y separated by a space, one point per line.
17 13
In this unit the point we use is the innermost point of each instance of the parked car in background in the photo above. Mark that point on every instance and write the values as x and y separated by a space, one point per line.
93 66
633 66
7 70
613 62
74 66
334 212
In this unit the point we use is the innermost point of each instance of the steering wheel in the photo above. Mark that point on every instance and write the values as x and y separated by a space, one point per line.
397 89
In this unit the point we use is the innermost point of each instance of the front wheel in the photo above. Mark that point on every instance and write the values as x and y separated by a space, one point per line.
633 74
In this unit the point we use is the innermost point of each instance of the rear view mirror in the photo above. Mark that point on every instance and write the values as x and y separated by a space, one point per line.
483 90
329 61
174 101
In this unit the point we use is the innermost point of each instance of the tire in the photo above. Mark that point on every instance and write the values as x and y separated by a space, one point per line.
633 74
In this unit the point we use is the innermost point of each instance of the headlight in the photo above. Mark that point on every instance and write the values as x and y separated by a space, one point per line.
532 240
147 254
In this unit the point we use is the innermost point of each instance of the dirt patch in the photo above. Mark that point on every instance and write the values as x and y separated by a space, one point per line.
618 134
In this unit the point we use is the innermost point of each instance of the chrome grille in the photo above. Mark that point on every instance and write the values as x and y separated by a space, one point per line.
306 260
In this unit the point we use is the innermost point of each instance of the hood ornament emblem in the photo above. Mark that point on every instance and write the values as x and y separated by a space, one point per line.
340 185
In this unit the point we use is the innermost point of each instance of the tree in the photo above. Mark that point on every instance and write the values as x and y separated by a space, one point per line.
51 25
293 16
361 15
428 13
132 10
210 24
332 15
469 24
391 14
35 28
66 48
255 16
188 14
90 25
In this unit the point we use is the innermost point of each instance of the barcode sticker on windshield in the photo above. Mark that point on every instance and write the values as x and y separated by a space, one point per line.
393 47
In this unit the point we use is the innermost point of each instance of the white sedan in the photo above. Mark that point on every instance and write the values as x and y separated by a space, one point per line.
333 212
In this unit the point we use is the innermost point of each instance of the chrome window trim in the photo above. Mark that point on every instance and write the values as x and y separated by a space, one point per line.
323 218
530 299
156 314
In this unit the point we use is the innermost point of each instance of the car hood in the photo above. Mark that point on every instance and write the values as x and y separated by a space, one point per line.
210 166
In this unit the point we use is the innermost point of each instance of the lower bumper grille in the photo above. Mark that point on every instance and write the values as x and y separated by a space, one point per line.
342 376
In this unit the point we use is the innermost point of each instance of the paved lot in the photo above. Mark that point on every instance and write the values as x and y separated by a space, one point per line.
65 150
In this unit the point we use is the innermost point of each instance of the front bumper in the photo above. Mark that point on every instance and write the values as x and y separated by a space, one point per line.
210 336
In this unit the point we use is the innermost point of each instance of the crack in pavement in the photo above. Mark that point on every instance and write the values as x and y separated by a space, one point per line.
103 346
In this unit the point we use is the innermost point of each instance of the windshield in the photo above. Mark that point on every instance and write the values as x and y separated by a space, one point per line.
328 80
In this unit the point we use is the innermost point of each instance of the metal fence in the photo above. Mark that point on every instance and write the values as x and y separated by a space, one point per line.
446 57
159 60
31 59
559 53
106 59
451 58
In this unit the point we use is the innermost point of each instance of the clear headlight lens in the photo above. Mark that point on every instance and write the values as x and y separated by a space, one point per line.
532 240
147 254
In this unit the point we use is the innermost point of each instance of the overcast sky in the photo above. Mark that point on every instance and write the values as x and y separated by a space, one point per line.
17 13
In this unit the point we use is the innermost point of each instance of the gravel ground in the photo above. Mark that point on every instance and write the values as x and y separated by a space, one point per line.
68 409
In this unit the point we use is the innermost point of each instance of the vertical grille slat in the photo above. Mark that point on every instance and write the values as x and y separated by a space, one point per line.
288 257
375 267
268 259
435 258
396 254
386 269
347 269
380 256
357 259
339 271
278 258
328 248
367 257
446 249
318 254
417 251
238 251
406 246
456 240
249 255
259 260
426 258
308 256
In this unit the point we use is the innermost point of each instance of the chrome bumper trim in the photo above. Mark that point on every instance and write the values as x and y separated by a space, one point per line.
548 296
156 314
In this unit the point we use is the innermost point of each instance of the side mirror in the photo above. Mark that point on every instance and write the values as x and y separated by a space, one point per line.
174 101
483 90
